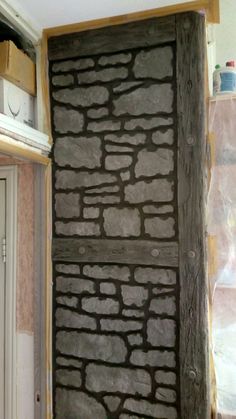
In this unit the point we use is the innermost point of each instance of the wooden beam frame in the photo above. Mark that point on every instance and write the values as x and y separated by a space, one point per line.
194 340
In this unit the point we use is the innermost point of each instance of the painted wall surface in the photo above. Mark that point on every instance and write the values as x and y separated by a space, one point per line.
225 32
63 12
24 288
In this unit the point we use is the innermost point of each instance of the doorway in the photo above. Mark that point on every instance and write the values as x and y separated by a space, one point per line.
8 176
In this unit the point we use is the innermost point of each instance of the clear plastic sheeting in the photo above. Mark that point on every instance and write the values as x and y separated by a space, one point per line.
221 226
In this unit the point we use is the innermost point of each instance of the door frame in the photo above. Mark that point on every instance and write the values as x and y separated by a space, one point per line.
9 173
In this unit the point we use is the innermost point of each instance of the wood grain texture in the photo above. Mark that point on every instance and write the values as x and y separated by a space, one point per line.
18 151
115 251
195 5
194 353
157 31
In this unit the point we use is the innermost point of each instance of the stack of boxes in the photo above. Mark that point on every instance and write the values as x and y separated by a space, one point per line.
17 84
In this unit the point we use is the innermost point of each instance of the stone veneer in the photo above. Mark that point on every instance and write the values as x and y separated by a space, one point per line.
116 325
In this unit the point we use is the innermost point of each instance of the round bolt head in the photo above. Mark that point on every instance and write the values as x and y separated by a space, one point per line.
81 250
190 140
191 254
155 252
192 375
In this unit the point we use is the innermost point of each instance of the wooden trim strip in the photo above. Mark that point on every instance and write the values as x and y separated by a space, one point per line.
193 344
116 251
25 153
213 11
131 17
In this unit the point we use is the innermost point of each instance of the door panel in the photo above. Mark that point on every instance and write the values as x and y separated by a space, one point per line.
128 248
2 297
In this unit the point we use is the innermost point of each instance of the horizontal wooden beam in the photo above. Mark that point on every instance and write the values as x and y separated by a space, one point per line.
21 152
130 17
102 40
115 251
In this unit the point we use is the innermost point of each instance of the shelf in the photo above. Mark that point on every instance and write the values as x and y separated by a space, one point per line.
23 134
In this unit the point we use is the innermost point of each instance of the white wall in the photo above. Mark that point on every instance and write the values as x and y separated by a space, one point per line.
225 32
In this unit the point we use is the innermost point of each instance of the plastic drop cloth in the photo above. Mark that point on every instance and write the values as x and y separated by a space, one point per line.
221 224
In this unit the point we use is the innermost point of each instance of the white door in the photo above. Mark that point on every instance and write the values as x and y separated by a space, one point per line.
2 296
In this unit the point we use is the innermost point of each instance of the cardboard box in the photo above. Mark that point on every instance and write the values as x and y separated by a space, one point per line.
16 103
17 67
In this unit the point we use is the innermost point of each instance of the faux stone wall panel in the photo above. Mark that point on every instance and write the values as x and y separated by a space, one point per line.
78 152
115 153
123 380
67 120
82 96
156 64
89 346
150 100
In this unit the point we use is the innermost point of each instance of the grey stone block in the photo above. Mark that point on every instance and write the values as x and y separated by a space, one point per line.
68 378
91 212
122 222
68 362
117 162
100 305
120 273
153 358
149 100
161 332
107 288
133 295
67 120
112 402
68 269
151 163
94 346
166 137
161 290
118 149
67 301
160 228
157 190
165 305
147 123
155 63
125 416
77 405
162 209
108 199
166 395
67 205
125 176
135 339
122 58
78 152
103 189
155 276
164 377
157 411
72 320
62 80
136 139
70 65
123 380
133 313
97 113
106 75
74 285
82 96
68 179
82 228
113 325
126 85
108 125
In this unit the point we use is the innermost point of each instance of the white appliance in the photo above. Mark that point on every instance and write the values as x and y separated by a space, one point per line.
16 103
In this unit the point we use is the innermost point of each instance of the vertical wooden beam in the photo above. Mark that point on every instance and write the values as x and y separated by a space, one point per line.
213 11
194 352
